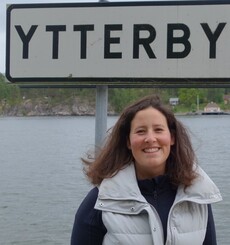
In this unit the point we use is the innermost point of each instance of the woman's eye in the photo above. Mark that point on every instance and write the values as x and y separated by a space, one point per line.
141 131
159 129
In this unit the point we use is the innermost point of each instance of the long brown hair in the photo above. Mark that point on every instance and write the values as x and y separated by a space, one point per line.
115 154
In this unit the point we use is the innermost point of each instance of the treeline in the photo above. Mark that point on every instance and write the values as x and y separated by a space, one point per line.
9 93
190 99
118 97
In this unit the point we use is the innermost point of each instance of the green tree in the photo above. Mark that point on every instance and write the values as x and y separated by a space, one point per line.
188 96
120 97
215 95
10 93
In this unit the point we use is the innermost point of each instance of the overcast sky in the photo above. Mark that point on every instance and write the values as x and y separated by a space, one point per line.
3 4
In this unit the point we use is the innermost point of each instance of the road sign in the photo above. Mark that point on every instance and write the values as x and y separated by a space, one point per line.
131 41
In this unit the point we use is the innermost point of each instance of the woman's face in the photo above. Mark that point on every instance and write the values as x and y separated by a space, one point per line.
150 142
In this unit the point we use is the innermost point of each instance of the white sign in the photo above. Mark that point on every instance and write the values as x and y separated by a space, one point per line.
121 41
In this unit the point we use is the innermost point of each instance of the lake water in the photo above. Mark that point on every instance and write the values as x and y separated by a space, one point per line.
41 179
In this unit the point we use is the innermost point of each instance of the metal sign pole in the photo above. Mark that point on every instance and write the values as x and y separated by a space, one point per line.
101 114
101 111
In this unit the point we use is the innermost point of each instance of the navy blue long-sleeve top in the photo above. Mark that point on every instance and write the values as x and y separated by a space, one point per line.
88 228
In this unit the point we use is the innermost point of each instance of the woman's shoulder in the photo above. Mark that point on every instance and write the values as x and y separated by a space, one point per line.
89 201
88 223
92 195
86 212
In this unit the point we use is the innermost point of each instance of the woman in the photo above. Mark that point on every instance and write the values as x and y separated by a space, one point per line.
148 187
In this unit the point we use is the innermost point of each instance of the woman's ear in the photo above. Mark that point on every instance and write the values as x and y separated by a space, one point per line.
172 139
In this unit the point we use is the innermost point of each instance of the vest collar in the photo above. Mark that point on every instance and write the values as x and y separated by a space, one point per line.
123 187
203 190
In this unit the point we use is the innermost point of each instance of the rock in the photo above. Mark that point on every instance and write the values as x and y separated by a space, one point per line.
45 108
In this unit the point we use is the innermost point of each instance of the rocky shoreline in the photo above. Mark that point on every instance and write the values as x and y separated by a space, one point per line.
44 108
77 107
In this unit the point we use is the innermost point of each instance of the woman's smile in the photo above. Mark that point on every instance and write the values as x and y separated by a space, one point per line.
151 150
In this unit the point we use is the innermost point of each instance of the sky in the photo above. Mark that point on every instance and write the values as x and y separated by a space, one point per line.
4 3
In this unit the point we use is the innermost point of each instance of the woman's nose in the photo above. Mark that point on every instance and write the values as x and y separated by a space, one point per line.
150 137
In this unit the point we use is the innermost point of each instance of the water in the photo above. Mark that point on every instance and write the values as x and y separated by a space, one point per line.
41 179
